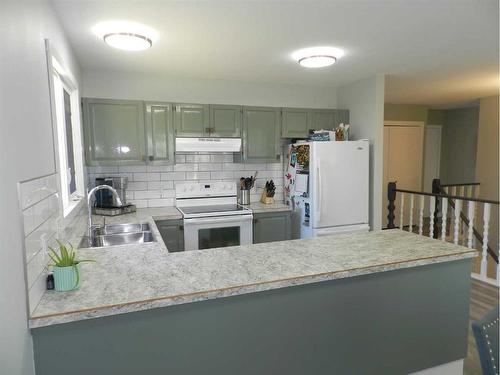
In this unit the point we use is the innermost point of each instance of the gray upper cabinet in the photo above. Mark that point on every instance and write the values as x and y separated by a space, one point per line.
296 122
114 131
261 134
323 119
225 121
160 135
343 116
191 120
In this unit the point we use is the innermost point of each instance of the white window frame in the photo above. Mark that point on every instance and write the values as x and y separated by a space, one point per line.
61 79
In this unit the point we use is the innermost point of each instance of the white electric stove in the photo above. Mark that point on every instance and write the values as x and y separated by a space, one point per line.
212 216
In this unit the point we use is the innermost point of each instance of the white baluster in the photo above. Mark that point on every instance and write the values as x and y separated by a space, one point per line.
486 228
401 211
444 218
471 224
432 209
421 215
410 227
458 209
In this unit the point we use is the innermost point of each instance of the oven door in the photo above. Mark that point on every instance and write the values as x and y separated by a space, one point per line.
210 232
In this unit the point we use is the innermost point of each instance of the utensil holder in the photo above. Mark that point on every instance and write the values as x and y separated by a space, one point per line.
244 196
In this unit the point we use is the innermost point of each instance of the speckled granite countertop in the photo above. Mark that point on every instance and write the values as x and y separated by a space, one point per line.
258 207
134 278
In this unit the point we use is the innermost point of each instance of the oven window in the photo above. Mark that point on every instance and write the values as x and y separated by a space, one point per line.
218 237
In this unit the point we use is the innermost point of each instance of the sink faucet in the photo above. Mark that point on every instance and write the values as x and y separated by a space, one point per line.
90 194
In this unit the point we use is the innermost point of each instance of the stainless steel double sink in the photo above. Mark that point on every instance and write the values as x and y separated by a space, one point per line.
118 234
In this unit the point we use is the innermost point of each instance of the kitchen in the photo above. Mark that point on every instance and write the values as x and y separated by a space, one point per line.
177 250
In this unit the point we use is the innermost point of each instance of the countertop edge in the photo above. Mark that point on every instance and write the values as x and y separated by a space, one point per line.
136 306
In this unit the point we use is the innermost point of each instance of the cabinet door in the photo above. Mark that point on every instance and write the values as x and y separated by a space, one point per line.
295 122
323 119
160 133
271 227
114 131
261 134
172 233
225 121
191 120
342 116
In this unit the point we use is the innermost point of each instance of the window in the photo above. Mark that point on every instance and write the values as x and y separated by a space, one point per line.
69 153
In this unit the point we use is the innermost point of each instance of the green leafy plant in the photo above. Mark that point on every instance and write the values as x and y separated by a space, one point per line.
66 257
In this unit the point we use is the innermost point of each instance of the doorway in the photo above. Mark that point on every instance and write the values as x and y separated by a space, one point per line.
403 161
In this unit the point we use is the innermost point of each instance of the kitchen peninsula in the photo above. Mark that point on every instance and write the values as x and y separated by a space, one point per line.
336 304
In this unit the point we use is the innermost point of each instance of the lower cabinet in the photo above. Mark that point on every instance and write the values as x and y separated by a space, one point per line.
172 232
271 226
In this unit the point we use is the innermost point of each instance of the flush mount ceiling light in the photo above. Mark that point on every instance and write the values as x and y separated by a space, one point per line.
317 57
125 35
128 41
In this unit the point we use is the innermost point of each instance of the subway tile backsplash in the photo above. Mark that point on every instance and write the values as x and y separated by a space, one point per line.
39 201
154 186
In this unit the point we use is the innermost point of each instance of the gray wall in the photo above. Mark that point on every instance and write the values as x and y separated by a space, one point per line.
27 151
459 141
365 101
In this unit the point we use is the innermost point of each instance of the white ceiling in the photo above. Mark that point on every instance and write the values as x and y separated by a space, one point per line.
434 52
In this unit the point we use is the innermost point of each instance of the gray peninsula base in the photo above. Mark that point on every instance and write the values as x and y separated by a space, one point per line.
393 322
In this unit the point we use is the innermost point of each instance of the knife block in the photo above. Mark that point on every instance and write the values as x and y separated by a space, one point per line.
265 199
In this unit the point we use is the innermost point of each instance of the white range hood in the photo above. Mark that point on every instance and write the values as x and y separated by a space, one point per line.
207 144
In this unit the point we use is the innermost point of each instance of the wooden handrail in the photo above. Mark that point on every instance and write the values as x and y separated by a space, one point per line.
480 200
462 184
439 193
476 233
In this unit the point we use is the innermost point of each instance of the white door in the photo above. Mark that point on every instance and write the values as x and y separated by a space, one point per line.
403 159
432 156
339 173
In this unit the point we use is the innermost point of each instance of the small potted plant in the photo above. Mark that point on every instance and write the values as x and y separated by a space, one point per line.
66 268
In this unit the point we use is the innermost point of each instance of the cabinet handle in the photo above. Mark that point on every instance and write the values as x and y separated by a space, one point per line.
207 130
278 156
181 227
255 221
151 158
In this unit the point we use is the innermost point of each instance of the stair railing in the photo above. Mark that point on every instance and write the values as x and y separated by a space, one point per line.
439 203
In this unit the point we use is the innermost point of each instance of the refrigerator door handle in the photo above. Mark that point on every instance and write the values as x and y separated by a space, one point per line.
318 194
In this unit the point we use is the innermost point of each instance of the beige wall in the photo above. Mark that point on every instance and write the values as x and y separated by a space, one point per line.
487 148
405 112
487 165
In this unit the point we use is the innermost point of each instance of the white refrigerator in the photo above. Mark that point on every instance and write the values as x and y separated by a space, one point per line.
328 184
